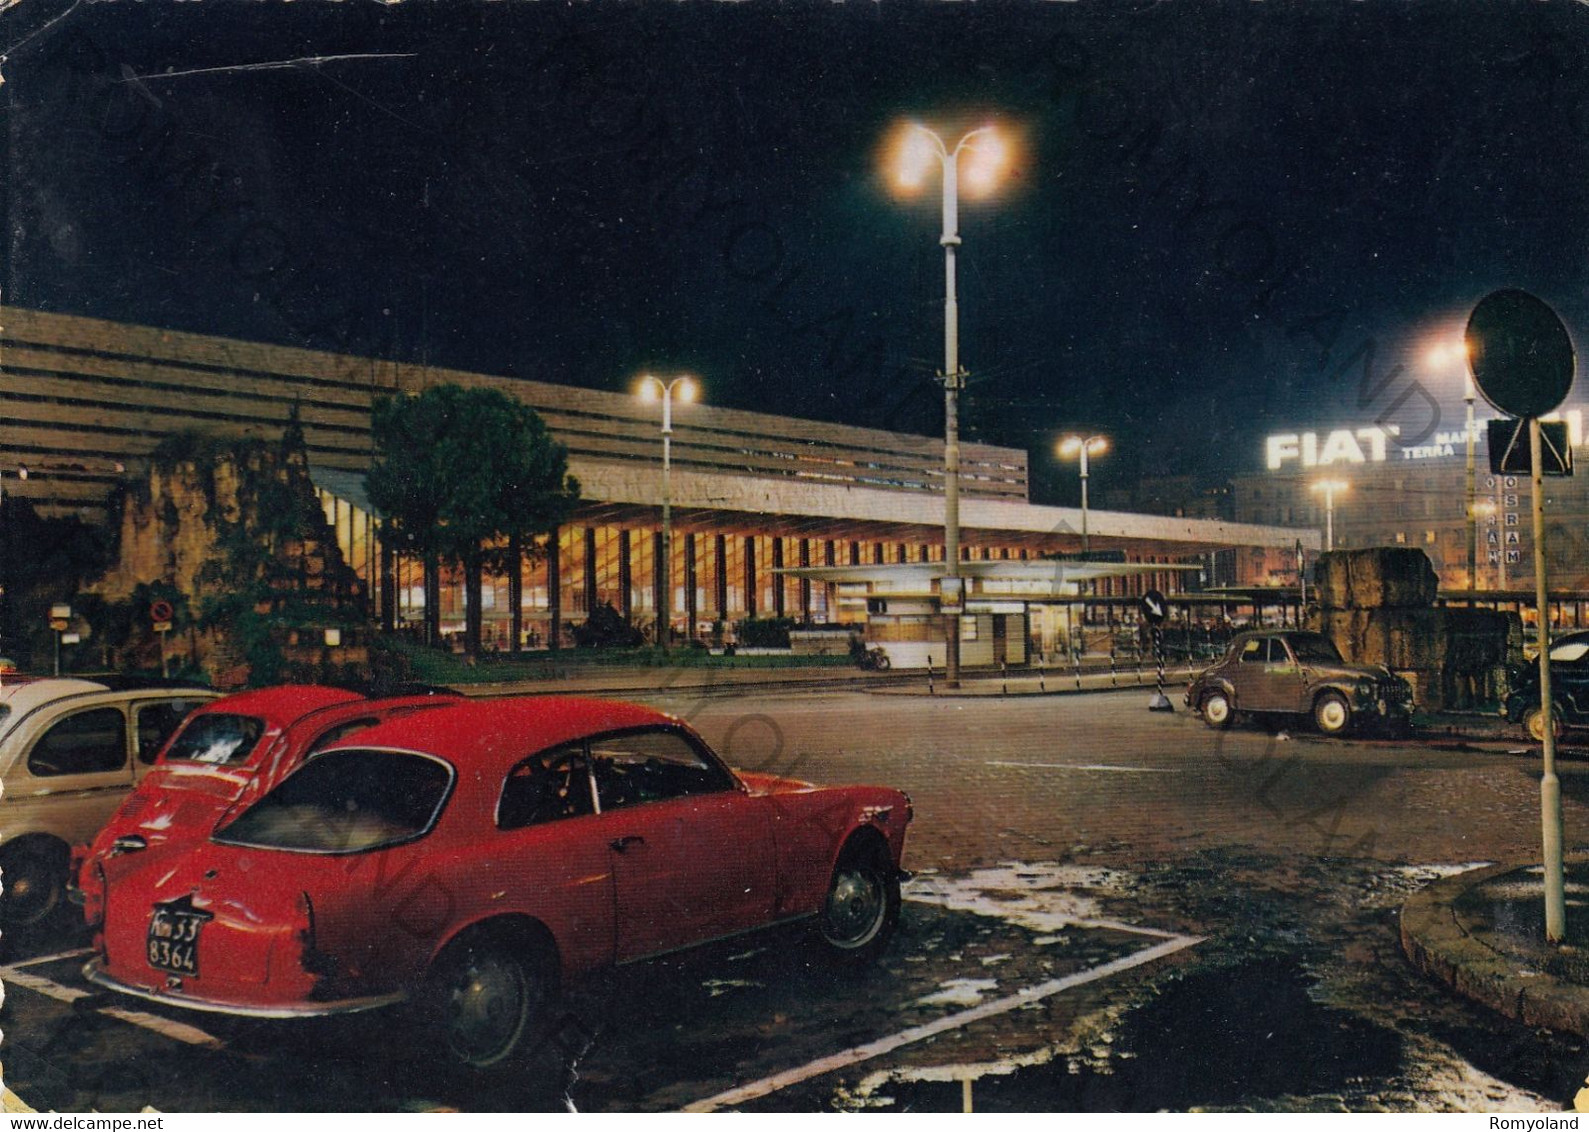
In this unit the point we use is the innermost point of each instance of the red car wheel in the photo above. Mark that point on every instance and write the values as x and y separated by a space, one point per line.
485 1000
862 905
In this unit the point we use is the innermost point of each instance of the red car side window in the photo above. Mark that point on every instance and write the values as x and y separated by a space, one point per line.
546 786
651 766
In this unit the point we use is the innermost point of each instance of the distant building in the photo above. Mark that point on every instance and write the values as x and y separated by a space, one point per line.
1189 497
1399 494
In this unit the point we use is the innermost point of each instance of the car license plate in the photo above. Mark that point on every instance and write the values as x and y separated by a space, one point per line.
174 938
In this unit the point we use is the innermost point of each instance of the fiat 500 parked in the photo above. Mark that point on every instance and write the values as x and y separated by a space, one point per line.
228 754
70 751
1297 673
474 857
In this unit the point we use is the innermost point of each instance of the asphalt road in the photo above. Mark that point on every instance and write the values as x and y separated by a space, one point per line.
1100 889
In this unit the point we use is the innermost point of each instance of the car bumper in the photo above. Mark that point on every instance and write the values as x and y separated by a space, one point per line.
95 973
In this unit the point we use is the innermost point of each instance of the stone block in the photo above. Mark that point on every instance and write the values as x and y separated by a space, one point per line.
1381 577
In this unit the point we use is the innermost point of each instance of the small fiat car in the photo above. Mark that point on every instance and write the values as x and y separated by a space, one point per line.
1291 672
229 753
70 751
474 857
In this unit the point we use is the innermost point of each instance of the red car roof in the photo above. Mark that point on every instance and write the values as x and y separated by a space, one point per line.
477 733
280 706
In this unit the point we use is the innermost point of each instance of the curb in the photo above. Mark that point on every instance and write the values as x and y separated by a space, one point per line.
1435 941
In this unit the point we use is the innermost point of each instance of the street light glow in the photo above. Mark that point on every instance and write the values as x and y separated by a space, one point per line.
686 390
647 388
989 155
1071 446
915 150
1331 486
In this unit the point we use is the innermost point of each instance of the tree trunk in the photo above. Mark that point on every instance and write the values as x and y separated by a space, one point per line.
515 591
432 600
472 569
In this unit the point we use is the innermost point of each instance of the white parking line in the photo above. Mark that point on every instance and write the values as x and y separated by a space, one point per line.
40 960
165 1027
856 1054
1090 766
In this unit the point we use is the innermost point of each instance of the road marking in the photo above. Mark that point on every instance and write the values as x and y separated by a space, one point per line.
165 1027
40 960
41 985
1090 766
857 1054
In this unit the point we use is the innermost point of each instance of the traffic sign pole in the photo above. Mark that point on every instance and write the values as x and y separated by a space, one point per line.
1523 362
1549 784
1155 608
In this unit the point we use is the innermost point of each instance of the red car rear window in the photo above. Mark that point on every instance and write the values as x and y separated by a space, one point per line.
217 739
346 801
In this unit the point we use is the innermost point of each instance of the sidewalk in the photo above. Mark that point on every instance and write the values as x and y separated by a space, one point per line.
1483 933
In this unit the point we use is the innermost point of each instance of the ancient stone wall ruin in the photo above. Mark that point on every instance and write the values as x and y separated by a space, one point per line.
231 533
1378 606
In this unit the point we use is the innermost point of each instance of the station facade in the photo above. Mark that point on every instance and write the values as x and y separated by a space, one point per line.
755 497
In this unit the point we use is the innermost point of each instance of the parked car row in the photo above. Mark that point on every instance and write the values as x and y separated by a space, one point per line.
305 850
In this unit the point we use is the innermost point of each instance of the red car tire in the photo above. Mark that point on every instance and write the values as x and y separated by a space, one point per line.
862 906
488 999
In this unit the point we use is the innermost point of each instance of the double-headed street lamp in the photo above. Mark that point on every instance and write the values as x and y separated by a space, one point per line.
1083 447
1329 488
652 389
919 148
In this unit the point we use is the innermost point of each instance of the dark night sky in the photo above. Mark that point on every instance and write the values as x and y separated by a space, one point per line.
1218 208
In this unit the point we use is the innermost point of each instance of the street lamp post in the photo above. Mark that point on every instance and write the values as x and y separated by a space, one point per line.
651 389
921 146
1329 488
1083 448
1441 357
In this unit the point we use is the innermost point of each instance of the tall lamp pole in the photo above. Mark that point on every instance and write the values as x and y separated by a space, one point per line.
920 146
1443 356
652 389
1073 447
1329 488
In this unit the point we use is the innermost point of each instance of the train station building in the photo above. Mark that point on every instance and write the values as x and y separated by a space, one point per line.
759 502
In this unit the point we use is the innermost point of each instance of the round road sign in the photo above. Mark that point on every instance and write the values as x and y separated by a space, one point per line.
161 611
1154 607
1520 353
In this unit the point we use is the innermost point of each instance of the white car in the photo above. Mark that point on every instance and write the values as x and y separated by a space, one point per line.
70 751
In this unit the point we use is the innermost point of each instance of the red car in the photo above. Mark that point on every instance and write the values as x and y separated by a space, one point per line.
227 754
477 856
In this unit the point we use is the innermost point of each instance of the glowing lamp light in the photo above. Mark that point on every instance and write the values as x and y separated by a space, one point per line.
1071 446
647 389
917 151
987 159
685 391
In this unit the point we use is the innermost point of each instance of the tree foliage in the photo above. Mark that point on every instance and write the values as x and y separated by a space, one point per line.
458 471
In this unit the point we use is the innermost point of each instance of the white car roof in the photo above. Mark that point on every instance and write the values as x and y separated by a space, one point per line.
24 696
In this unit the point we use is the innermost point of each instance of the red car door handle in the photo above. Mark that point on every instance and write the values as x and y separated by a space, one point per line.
622 843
